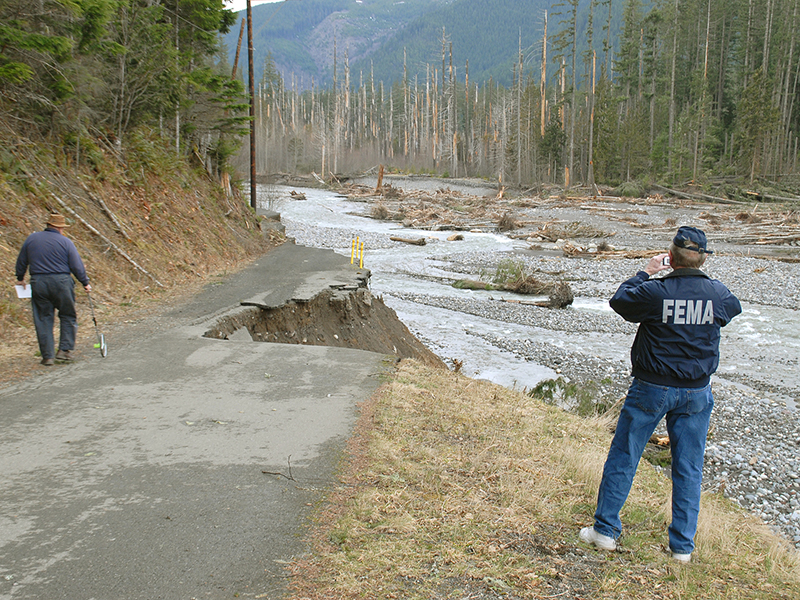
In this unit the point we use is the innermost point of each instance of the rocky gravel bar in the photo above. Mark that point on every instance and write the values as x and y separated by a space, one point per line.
753 450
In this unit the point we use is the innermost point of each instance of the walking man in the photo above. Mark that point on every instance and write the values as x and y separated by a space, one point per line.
675 351
52 259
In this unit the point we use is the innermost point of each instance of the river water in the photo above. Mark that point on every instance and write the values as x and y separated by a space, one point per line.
762 345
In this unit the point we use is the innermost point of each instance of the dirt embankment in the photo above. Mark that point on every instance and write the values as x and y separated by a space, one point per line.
342 319
147 226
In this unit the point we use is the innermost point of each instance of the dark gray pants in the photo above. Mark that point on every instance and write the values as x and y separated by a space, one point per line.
48 294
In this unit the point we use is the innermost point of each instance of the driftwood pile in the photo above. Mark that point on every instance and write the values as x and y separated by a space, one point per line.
781 228
441 210
446 209
552 231
559 293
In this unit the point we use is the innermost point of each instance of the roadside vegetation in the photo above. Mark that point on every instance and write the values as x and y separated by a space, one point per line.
147 224
121 116
457 488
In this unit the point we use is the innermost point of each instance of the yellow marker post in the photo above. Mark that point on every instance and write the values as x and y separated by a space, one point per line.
352 251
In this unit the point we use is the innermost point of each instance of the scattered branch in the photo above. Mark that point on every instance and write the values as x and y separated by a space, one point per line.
290 477
108 212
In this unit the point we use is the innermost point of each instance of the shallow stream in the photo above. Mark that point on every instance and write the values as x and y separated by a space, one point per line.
762 346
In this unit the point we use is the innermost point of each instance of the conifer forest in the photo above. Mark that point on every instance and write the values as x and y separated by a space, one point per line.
689 91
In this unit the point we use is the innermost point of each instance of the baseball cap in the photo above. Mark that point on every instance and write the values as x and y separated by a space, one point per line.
693 235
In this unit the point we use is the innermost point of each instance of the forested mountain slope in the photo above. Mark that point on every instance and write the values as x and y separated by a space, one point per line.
300 36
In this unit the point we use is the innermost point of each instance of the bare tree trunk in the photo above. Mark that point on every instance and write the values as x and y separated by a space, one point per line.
519 112
653 104
573 95
591 126
567 166
723 53
177 107
467 123
543 85
785 112
770 9
672 88
607 70
405 106
451 96
335 113
748 38
700 143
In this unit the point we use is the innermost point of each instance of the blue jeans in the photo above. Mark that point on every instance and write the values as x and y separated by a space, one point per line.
688 412
48 294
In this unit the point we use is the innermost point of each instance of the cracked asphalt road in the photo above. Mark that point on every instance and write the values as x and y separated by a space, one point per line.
179 466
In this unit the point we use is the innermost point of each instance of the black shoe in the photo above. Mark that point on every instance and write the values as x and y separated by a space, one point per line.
65 355
48 362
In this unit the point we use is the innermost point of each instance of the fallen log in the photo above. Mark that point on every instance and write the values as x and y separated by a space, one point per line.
704 197
772 197
116 248
522 302
415 242
108 212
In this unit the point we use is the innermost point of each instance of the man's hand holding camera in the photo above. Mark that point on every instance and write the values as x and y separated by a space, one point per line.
657 264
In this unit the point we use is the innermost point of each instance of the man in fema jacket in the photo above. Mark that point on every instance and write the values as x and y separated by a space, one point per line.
675 351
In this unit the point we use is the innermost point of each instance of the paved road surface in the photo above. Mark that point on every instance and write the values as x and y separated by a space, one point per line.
140 476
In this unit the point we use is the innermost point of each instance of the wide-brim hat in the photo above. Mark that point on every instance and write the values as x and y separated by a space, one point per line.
57 220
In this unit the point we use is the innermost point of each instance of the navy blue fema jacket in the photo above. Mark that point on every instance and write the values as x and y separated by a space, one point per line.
680 317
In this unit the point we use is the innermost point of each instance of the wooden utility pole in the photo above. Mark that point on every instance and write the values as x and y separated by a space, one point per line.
251 88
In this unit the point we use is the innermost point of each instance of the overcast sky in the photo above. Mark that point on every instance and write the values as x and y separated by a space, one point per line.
238 5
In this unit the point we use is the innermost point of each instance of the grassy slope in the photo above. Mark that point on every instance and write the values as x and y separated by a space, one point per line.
459 488
180 229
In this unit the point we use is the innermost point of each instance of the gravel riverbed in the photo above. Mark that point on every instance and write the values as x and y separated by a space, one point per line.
753 450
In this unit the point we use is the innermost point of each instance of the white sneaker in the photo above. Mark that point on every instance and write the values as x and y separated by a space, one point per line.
684 558
604 542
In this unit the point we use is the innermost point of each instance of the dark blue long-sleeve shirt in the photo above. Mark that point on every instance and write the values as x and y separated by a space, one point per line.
49 252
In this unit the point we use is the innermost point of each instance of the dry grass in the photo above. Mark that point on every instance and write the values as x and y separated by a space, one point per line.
463 489
380 212
508 222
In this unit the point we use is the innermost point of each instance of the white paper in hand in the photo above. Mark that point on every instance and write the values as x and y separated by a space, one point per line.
23 291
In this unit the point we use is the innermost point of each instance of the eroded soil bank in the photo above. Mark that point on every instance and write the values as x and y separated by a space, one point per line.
342 319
